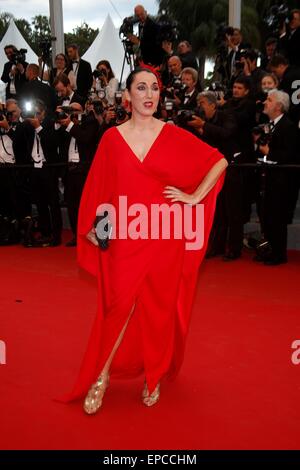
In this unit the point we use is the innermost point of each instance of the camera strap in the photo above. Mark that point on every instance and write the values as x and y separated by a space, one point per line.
8 141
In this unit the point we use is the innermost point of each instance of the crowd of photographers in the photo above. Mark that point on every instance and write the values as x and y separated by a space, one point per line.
53 119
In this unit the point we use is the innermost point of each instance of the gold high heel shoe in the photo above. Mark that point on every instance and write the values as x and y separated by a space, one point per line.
93 400
150 400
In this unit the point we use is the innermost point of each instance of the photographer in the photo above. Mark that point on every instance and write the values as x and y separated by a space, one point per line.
151 52
235 45
289 43
218 128
173 79
248 59
243 107
104 76
8 199
14 71
188 97
79 135
280 183
42 151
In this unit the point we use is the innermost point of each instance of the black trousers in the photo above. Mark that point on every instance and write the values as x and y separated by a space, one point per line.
44 187
228 227
8 191
74 183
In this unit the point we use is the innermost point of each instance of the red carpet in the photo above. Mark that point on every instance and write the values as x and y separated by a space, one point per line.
238 388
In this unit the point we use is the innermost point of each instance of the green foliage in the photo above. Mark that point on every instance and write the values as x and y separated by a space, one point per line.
83 36
40 29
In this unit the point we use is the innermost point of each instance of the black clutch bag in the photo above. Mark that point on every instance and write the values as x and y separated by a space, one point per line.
103 230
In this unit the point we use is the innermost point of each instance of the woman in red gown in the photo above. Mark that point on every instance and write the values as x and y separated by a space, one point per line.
145 285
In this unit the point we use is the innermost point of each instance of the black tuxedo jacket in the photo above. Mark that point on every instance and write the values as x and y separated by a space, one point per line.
220 132
282 184
20 79
48 138
151 50
84 78
87 136
192 101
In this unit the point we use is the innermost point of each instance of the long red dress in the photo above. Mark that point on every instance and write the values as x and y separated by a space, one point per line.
154 278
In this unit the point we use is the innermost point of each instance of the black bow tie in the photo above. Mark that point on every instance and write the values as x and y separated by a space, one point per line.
75 61
67 98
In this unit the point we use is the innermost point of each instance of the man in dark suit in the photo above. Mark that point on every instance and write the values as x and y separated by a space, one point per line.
283 149
82 71
34 90
66 95
289 77
42 150
13 73
187 57
78 144
235 46
289 44
151 51
219 129
271 46
17 133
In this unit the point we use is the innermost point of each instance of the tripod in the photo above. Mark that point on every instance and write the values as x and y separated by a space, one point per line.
128 57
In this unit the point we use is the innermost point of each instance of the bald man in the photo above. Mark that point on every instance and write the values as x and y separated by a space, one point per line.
34 90
151 51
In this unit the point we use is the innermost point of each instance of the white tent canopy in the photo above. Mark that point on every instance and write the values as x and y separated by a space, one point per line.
14 37
108 46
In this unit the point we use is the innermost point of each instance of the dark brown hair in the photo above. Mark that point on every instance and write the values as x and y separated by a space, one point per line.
108 66
134 72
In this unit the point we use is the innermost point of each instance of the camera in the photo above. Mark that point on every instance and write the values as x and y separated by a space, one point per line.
19 57
3 114
97 105
264 134
186 115
46 48
121 112
169 107
260 101
28 110
65 112
276 17
177 88
99 73
126 27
